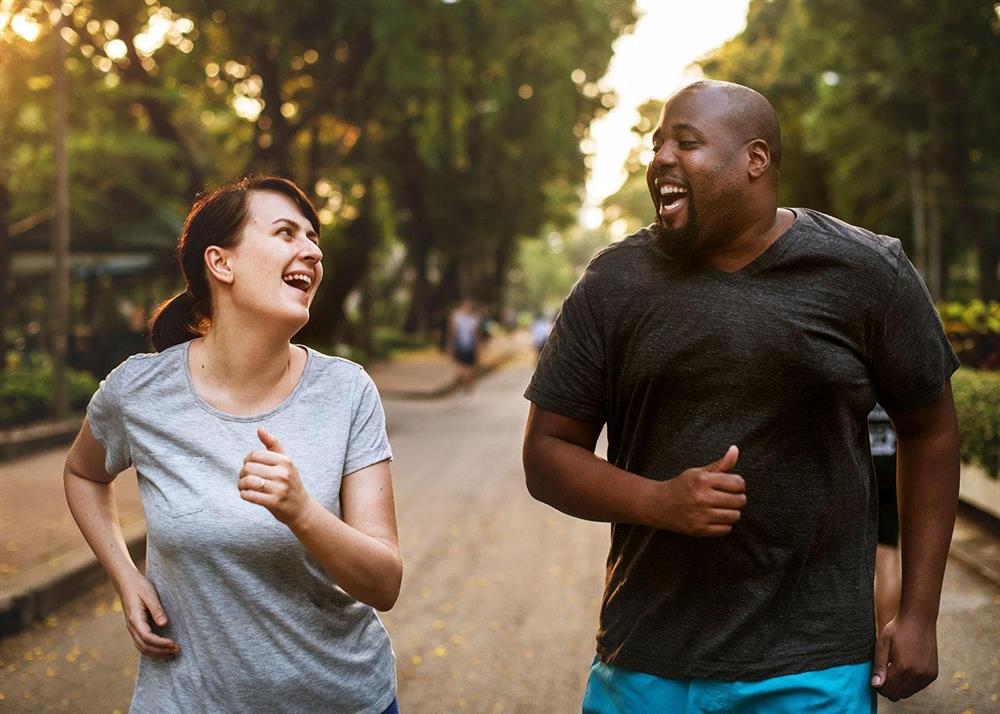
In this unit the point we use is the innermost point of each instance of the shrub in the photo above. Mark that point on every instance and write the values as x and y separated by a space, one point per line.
977 400
27 391
973 329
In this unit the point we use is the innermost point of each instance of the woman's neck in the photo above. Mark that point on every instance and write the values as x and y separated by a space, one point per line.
242 368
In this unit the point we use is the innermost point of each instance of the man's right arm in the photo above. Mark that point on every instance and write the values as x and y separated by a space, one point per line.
562 470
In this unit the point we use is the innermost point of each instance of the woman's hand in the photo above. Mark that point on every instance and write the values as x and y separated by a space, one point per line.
140 604
269 479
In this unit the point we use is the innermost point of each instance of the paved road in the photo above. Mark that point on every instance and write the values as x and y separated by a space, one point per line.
500 596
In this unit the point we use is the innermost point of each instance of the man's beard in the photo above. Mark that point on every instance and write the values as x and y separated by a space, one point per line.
680 243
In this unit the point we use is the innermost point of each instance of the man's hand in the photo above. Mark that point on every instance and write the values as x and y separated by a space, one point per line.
704 502
906 658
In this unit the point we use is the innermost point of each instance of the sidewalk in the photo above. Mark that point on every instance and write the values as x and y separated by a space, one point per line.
44 561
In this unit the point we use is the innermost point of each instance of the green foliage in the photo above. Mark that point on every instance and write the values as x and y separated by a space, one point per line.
462 118
977 401
543 276
974 316
389 342
27 391
973 329
888 120
545 270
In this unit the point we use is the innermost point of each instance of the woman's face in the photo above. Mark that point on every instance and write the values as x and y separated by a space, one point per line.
276 265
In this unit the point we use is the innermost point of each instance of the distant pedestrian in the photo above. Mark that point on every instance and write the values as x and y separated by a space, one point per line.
540 329
464 341
263 469
733 350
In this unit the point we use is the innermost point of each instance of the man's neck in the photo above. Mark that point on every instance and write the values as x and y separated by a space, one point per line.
739 252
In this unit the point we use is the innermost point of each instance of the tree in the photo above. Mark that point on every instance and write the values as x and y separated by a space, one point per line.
452 127
884 108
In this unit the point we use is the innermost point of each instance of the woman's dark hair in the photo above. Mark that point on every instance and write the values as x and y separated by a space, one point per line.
216 218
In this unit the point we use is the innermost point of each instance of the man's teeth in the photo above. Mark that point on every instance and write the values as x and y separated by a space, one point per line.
297 276
667 189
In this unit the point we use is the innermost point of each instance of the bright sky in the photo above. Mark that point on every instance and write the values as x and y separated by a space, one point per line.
651 63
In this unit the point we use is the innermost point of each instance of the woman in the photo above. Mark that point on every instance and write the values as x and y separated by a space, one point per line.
264 475
888 579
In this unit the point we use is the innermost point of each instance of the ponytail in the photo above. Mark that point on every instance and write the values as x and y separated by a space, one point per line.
175 321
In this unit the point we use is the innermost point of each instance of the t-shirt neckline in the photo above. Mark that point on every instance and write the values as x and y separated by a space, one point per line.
200 401
770 254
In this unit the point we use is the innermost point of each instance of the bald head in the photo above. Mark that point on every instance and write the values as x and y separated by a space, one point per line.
749 113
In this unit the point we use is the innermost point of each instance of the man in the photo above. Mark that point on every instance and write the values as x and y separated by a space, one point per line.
734 349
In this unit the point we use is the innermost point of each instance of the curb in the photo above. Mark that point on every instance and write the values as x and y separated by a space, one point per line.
979 550
25 440
967 557
447 388
29 596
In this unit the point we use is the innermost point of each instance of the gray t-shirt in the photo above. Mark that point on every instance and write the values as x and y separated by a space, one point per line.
784 358
260 625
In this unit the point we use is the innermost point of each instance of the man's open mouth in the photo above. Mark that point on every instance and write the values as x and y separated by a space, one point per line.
299 281
671 194
671 199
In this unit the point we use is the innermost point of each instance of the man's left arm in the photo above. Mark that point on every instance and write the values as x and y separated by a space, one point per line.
927 475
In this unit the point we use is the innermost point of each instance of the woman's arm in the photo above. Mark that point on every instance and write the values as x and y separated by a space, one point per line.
91 498
360 552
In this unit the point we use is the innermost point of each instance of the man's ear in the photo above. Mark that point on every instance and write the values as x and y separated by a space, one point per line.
217 264
759 156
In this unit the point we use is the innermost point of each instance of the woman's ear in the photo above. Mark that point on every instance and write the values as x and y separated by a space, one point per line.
217 264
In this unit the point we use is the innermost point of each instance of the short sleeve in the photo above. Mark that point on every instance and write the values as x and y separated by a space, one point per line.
367 443
105 417
912 358
570 378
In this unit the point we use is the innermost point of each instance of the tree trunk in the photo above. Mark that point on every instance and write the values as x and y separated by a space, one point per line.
918 213
60 237
158 112
500 267
5 253
273 152
949 134
418 317
989 259
933 274
313 163
347 270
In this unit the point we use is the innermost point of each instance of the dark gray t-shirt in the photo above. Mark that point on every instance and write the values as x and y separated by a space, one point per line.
260 626
784 358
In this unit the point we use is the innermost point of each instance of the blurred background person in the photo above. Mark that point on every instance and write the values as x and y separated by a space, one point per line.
887 577
540 329
464 342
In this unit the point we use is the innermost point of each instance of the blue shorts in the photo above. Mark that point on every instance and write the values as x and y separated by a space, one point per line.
838 690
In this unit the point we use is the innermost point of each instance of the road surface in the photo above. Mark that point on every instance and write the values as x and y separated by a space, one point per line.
500 594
